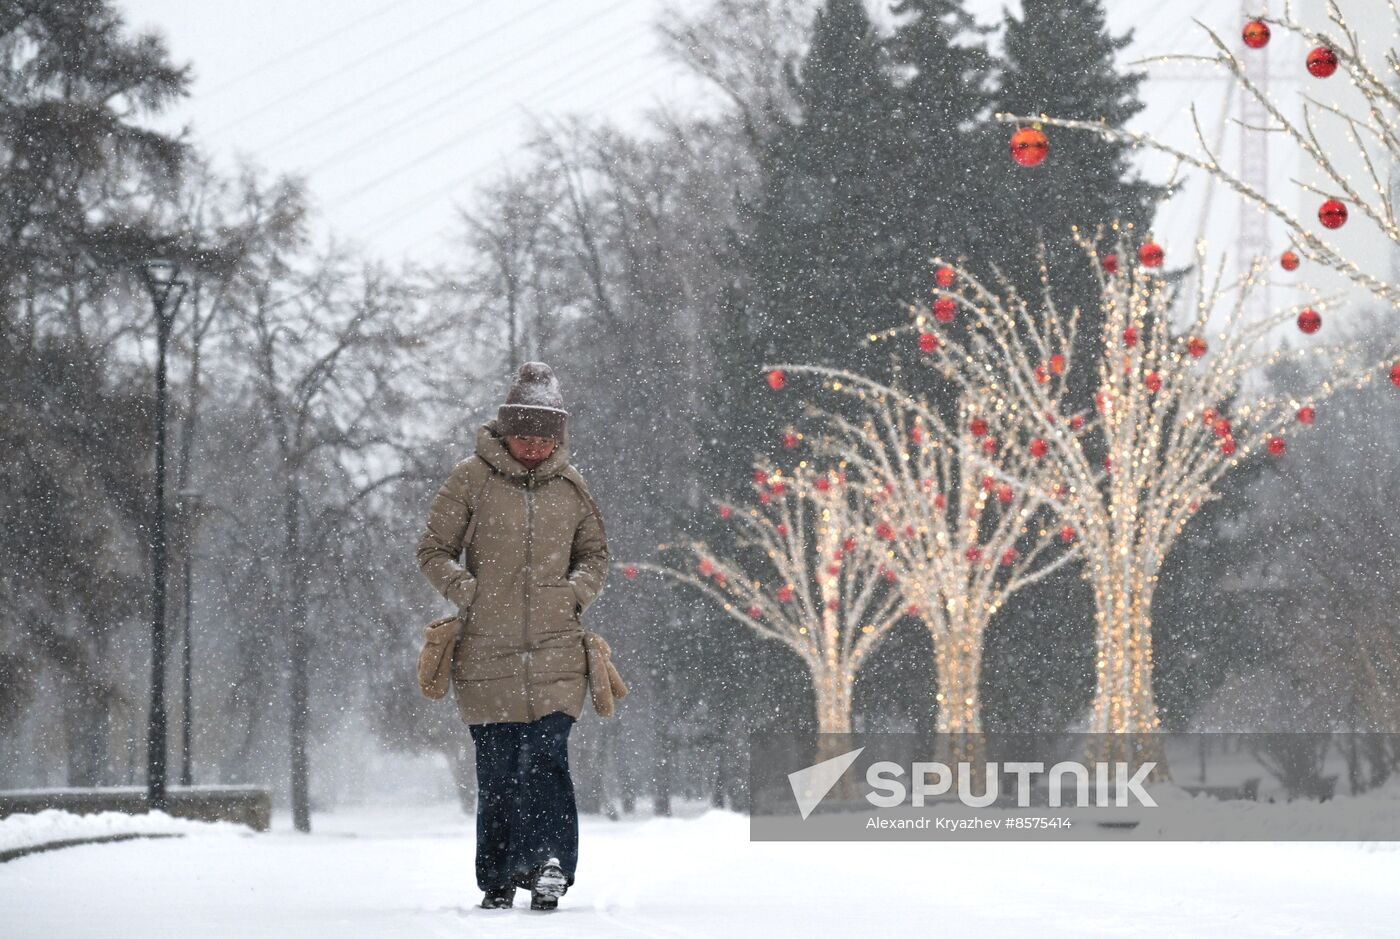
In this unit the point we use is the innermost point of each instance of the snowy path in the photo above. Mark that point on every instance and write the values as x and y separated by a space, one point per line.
385 873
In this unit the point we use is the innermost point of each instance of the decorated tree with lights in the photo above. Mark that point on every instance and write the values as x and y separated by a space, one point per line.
804 570
1329 136
1176 409
958 542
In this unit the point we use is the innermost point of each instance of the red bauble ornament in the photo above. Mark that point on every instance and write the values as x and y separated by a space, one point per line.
1039 448
706 568
1395 374
1151 254
1196 347
848 545
629 572
1309 321
778 489
764 498
944 310
1130 337
822 484
790 441
1004 494
1332 214
1208 416
725 511
944 277
940 501
928 342
988 483
1042 375
784 594
1256 34
1110 264
889 575
1153 381
1057 364
1322 62
760 477
974 555
1277 446
1288 261
776 379
977 426
1066 534
1227 446
782 529
1108 464
989 446
916 434
1029 147
755 613
1221 427
1076 423
884 531
1306 415
1008 557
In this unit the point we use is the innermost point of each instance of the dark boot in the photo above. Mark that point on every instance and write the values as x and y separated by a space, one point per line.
548 885
499 898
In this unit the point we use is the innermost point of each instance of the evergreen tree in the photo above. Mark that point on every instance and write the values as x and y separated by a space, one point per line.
809 259
73 86
941 156
820 243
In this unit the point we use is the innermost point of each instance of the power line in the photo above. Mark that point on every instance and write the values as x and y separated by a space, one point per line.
378 136
285 57
360 190
401 213
335 73
301 130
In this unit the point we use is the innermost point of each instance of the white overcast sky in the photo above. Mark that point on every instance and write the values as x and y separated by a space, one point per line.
394 110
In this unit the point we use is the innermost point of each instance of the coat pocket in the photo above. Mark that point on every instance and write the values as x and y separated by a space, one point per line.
556 605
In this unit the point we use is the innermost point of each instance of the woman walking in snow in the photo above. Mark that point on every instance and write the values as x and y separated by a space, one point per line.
534 556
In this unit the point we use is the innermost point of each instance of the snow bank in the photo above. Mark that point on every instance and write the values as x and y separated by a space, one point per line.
25 830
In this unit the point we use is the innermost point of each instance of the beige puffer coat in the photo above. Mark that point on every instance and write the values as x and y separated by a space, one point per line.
537 560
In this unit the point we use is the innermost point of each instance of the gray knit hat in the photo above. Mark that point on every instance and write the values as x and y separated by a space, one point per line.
534 407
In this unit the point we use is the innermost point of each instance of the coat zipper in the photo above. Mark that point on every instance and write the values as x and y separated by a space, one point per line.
529 594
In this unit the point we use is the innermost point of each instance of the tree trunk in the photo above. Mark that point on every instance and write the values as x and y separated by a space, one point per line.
298 703
833 701
1124 705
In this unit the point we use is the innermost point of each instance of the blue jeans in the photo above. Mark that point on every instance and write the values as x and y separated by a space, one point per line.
525 810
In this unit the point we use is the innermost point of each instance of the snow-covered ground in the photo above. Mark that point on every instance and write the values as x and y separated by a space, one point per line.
409 872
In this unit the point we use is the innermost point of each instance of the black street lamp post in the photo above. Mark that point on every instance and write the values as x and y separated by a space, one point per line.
166 290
